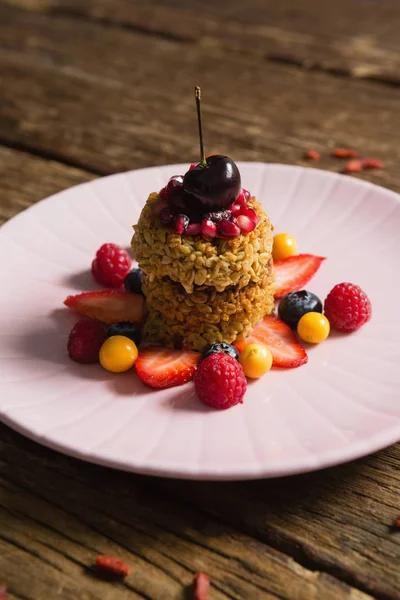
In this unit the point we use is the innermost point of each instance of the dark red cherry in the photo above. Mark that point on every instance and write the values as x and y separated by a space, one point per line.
216 185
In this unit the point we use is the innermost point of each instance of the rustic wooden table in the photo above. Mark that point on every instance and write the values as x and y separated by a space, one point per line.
90 87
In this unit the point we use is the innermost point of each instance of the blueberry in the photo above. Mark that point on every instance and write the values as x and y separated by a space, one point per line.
133 281
296 304
127 329
220 347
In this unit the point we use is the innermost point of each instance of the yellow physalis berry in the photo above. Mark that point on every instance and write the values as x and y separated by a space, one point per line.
285 245
118 353
313 327
256 360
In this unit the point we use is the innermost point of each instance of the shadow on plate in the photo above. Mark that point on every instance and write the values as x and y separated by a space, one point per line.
49 344
82 281
185 399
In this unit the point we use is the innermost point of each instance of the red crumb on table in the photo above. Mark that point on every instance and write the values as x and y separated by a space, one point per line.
396 524
201 584
372 163
354 166
113 565
345 153
313 155
3 592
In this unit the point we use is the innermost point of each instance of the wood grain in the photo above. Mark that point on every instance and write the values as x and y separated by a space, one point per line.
97 87
25 179
358 38
124 100
53 528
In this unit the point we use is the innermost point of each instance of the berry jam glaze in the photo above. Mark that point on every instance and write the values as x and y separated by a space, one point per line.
184 214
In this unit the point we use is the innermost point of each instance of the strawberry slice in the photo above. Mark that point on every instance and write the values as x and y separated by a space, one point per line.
292 274
287 352
108 306
161 367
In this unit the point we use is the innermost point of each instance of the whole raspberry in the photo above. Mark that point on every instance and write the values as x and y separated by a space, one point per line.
111 265
347 307
85 341
219 381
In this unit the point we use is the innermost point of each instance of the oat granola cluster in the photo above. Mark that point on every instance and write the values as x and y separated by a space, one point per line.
200 291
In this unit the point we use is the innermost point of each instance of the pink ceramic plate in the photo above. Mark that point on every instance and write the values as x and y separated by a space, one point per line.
342 405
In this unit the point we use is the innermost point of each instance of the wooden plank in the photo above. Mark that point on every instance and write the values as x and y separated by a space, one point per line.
56 514
358 38
124 101
25 179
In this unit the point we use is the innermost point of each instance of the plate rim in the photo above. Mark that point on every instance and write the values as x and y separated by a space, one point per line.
353 451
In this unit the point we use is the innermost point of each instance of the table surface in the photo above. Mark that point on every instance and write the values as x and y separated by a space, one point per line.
91 87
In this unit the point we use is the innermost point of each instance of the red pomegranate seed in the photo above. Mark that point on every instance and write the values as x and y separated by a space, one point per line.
345 153
193 229
201 584
3 592
181 223
372 163
208 228
227 229
313 155
354 166
165 216
112 565
235 209
245 223
164 195
249 212
243 197
174 186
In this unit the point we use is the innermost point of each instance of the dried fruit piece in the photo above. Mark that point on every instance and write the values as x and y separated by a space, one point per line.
201 585
372 163
313 155
112 565
354 166
345 153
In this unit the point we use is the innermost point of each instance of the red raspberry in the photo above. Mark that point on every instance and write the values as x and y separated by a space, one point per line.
219 381
347 307
111 265
85 341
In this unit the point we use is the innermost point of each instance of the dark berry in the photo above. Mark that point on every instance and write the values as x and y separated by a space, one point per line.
133 281
216 185
165 216
181 223
220 347
217 216
126 329
296 304
175 185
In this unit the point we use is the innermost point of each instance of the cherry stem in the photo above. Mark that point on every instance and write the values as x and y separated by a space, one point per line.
197 93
